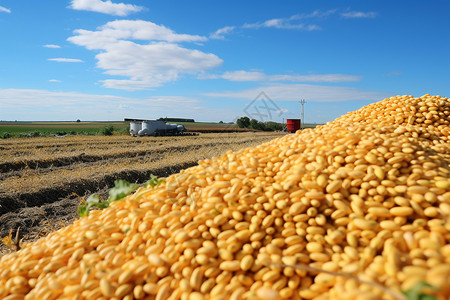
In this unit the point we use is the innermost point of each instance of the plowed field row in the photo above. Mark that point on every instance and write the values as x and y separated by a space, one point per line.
51 148
105 152
42 180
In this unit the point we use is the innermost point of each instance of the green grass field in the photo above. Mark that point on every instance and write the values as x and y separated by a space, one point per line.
21 129
33 129
311 125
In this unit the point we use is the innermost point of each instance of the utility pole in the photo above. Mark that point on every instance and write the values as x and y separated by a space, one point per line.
302 102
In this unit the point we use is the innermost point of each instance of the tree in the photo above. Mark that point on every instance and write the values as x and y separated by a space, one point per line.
78 121
273 126
221 122
254 123
243 122
258 125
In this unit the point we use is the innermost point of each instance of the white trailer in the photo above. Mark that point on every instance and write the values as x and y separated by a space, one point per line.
152 128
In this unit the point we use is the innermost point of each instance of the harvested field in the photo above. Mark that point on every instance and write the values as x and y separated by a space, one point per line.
21 129
42 180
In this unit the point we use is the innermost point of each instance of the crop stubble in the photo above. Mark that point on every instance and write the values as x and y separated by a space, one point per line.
42 180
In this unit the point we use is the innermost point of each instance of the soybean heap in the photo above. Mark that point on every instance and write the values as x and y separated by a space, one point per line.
355 209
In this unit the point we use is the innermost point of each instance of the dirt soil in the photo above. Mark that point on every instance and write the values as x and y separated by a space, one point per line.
38 221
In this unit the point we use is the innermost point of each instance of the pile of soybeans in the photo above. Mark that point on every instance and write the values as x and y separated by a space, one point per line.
365 199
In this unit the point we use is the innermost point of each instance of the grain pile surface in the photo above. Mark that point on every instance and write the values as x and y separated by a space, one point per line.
367 195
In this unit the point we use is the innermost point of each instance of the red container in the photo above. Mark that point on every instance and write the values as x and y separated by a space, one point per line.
293 125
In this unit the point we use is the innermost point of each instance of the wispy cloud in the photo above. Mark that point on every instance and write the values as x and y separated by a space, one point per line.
315 14
29 96
359 15
282 24
52 46
296 22
220 33
242 75
4 9
106 7
393 73
316 93
49 105
70 60
316 78
54 80
293 21
148 65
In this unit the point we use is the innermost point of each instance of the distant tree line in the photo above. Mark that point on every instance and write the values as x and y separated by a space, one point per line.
246 122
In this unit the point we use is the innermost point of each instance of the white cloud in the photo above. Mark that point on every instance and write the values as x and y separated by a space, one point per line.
4 9
72 60
54 80
316 93
106 7
359 14
260 76
112 32
52 46
151 65
145 65
220 33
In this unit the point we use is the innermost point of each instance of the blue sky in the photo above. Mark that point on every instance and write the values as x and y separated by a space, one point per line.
208 60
